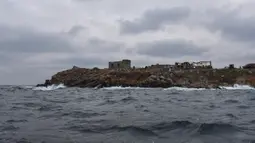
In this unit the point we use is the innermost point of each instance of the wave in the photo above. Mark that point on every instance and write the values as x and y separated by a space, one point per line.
212 128
121 88
231 101
16 121
49 88
136 130
163 127
144 88
128 99
28 86
107 102
185 89
231 115
171 125
243 107
81 114
237 87
9 128
234 87
200 128
100 129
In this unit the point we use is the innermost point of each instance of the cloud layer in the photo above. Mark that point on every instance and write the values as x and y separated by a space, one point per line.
169 49
39 38
154 19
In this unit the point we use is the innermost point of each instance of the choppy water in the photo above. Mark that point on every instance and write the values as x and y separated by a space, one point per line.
74 115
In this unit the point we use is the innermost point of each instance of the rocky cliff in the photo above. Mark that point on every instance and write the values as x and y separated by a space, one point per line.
197 78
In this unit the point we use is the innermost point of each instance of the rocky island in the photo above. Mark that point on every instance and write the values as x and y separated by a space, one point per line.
181 75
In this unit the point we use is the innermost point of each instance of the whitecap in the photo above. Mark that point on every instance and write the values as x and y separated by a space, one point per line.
121 88
27 86
185 89
51 87
237 87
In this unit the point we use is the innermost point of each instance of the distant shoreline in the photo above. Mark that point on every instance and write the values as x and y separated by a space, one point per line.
151 78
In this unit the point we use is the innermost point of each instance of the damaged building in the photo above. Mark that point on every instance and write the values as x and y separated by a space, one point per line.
202 64
162 67
124 64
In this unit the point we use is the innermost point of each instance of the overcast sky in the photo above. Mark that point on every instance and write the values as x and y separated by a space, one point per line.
41 37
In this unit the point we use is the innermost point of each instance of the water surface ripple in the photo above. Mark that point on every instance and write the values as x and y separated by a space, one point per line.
75 115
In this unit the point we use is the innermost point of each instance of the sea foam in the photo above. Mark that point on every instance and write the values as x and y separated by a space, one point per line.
185 89
238 87
120 88
234 87
49 88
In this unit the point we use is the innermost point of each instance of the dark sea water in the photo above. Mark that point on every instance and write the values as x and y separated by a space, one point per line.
75 115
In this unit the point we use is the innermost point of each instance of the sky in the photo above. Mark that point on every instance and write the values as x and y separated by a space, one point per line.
39 38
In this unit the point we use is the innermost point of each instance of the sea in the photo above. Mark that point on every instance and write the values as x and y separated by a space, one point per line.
57 114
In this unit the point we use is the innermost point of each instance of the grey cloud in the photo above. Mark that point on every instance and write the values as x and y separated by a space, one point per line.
26 76
170 49
241 57
75 30
153 20
82 61
17 45
86 0
102 46
6 60
21 73
11 58
23 40
233 26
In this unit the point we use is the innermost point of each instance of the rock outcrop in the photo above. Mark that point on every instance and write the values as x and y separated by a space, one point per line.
97 78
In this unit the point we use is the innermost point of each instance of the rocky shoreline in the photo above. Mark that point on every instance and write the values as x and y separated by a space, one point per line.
195 78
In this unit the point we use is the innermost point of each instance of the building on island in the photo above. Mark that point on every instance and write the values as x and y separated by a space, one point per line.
184 65
178 66
162 67
231 66
202 64
124 64
187 65
194 65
